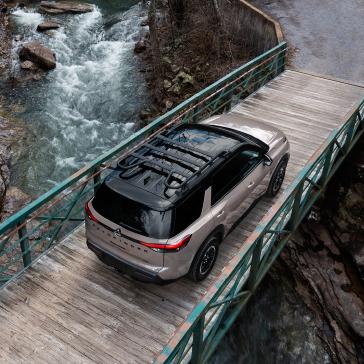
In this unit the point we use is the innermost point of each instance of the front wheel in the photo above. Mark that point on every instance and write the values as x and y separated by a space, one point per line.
276 181
205 259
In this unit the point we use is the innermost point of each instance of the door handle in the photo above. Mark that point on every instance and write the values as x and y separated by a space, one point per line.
220 213
251 184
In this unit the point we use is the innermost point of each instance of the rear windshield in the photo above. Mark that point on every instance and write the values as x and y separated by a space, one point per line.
132 215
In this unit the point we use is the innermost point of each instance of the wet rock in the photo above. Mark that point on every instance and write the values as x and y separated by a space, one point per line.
40 55
140 46
47 25
37 77
63 7
144 23
28 65
17 38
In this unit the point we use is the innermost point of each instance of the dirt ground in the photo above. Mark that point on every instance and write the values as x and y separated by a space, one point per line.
328 34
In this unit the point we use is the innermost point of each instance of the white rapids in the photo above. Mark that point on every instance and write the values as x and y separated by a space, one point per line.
89 103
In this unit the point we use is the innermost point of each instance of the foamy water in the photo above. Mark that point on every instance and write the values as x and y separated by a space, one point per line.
27 18
89 103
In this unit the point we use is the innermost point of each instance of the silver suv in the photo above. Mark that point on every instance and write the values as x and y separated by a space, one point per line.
164 211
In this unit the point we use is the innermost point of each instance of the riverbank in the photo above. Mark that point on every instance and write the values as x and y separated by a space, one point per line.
193 43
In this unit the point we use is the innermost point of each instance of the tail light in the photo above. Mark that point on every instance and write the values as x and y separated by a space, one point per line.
170 248
89 213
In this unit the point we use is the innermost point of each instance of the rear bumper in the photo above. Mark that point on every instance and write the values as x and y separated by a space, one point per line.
126 267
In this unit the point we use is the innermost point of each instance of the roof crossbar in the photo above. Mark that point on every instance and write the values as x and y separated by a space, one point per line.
180 159
142 160
186 148
171 173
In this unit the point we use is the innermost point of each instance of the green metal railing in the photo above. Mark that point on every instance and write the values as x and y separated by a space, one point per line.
34 229
198 337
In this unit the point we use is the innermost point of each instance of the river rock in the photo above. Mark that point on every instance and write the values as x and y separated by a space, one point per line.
47 25
140 46
28 65
144 23
62 7
40 55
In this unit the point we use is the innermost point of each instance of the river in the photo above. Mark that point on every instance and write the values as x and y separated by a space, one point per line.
89 103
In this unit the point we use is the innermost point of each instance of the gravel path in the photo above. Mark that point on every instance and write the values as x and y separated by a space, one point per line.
328 34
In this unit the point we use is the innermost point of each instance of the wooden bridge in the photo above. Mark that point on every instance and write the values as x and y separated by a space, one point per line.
66 306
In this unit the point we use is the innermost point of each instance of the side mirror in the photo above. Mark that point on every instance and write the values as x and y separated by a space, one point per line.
267 160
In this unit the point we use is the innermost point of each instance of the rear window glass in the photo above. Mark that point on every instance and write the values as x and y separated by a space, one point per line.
132 215
188 211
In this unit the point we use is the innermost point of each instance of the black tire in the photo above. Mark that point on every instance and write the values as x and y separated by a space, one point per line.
277 179
205 259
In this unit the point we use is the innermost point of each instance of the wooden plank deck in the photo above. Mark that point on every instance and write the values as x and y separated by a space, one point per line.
71 308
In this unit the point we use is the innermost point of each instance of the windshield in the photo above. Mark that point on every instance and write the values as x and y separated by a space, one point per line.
132 215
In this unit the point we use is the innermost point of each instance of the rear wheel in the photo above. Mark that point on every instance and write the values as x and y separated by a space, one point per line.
205 259
277 179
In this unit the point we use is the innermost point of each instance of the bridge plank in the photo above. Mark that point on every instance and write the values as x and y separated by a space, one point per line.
69 307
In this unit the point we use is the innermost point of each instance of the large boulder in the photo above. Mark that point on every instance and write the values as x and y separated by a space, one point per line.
38 54
62 7
47 25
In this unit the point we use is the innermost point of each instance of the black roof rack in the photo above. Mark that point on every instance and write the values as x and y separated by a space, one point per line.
141 160
173 163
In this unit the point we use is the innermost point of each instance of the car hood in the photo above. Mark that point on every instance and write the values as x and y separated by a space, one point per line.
258 129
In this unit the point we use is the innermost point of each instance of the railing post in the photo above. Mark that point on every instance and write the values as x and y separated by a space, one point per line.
97 178
197 343
24 244
254 265
350 134
296 207
281 62
327 164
